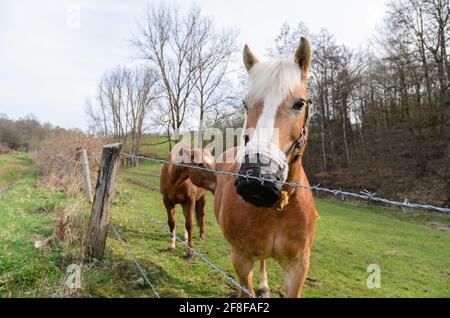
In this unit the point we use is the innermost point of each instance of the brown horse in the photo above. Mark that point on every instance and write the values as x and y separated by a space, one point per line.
186 186
266 219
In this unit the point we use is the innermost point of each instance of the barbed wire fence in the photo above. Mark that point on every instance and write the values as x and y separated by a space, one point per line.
101 212
203 259
134 260
363 194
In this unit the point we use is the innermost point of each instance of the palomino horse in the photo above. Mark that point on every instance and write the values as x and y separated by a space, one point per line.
186 186
263 219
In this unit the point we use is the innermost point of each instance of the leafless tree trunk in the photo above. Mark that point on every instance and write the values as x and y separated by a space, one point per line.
191 57
214 53
124 101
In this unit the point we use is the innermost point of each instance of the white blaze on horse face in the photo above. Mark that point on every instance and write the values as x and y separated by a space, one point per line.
271 82
265 127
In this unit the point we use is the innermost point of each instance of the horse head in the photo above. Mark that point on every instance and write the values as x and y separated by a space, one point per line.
276 124
200 166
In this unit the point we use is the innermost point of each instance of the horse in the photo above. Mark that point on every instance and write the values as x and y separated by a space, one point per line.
186 185
264 218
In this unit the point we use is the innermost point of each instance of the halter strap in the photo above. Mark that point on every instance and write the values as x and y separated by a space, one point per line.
298 144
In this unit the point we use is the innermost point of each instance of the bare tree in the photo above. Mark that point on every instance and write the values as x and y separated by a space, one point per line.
213 54
141 92
167 39
383 113
190 56
427 25
287 39
124 100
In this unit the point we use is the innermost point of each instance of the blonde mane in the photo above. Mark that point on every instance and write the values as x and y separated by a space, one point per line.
275 79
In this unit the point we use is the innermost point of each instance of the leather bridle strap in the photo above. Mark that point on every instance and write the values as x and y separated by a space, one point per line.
301 140
296 147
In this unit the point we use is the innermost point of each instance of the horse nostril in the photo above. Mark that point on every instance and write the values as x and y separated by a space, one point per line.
246 139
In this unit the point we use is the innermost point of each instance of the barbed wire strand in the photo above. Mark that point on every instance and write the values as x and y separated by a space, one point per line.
183 242
133 258
364 194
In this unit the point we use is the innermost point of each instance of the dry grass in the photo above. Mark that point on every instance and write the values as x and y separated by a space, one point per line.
68 236
4 149
70 223
58 163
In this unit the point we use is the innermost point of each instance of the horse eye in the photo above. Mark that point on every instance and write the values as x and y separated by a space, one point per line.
245 105
299 104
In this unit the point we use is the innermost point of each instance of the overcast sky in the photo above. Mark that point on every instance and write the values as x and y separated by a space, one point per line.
53 52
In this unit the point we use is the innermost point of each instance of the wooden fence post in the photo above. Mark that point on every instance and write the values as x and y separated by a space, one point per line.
86 175
97 230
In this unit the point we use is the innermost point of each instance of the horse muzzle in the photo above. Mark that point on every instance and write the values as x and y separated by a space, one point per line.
260 193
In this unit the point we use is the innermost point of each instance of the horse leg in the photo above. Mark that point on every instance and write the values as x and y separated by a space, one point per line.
295 271
243 266
170 208
200 215
189 210
263 289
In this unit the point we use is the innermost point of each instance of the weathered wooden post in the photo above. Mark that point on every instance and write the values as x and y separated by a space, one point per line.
86 175
101 209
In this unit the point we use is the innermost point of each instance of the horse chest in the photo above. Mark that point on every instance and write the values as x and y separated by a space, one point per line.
177 196
268 234
183 193
263 233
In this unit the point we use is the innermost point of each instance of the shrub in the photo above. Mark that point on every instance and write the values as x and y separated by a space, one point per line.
4 149
58 160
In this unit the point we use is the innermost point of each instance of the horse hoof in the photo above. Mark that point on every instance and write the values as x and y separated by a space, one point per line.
171 247
202 237
245 295
265 292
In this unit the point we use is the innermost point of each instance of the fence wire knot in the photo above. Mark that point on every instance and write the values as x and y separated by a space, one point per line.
370 195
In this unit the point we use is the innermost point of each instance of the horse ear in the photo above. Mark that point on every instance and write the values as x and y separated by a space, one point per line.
208 150
303 54
249 58
188 155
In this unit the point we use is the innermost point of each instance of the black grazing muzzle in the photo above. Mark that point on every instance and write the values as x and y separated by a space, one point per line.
260 193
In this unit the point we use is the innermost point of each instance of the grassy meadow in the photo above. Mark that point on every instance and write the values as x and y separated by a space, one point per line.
26 216
414 258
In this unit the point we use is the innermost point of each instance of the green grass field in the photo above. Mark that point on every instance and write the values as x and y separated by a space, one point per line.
26 215
414 259
154 145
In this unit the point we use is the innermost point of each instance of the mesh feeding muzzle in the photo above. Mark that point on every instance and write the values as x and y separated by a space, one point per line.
262 160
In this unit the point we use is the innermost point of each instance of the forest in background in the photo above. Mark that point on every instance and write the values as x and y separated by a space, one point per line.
382 115
25 134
